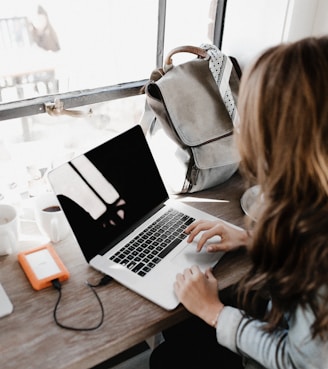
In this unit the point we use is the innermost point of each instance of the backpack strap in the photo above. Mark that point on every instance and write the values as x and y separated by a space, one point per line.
221 67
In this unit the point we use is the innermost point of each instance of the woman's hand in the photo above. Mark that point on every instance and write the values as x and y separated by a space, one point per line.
232 237
198 292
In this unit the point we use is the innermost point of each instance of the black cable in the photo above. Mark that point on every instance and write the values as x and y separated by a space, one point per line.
57 285
104 280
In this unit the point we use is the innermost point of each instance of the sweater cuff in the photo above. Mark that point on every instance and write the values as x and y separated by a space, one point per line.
227 326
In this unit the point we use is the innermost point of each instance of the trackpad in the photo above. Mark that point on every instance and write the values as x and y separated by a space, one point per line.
190 256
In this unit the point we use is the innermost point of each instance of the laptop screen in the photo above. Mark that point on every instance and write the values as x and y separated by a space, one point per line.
108 190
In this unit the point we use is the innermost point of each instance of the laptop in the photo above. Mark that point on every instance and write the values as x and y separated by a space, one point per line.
119 210
6 306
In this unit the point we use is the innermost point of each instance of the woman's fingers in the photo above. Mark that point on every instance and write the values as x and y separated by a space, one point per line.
229 236
197 291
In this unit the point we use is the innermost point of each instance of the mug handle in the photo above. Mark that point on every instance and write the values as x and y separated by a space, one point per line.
54 230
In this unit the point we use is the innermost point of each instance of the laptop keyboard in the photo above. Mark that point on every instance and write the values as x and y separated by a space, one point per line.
146 250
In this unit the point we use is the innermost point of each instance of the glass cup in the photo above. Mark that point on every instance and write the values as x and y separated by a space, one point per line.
251 201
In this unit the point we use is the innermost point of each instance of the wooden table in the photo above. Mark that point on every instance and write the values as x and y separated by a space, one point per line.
29 337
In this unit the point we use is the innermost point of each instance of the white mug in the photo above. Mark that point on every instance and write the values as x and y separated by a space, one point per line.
50 217
8 229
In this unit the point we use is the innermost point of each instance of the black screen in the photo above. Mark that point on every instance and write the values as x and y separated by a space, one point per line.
128 165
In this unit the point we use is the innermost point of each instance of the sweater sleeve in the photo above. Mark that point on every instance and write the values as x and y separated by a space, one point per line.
287 349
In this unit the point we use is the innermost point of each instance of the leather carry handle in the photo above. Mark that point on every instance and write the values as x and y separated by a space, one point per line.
168 64
184 49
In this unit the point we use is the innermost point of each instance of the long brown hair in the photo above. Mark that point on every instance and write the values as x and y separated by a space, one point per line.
283 143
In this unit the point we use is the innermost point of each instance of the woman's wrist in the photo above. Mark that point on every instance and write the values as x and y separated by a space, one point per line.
213 315
246 237
215 320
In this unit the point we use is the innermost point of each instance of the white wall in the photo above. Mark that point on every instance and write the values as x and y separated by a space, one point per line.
253 25
320 24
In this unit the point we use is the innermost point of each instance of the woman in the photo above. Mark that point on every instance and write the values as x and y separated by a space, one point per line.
283 144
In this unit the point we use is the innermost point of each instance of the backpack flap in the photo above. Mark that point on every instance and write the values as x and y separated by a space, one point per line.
188 104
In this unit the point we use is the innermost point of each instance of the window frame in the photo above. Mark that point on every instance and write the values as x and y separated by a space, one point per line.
74 99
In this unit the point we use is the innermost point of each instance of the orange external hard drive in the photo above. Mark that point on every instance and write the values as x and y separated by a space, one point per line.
42 265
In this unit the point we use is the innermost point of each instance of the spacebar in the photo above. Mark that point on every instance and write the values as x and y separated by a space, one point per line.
169 248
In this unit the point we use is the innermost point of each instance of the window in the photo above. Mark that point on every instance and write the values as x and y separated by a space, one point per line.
86 55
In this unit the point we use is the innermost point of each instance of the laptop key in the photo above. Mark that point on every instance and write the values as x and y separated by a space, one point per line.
138 267
131 265
188 220
169 248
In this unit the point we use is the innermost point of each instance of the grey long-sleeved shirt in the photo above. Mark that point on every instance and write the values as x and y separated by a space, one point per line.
284 349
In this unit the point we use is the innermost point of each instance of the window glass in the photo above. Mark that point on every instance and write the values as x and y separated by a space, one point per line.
48 46
188 24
